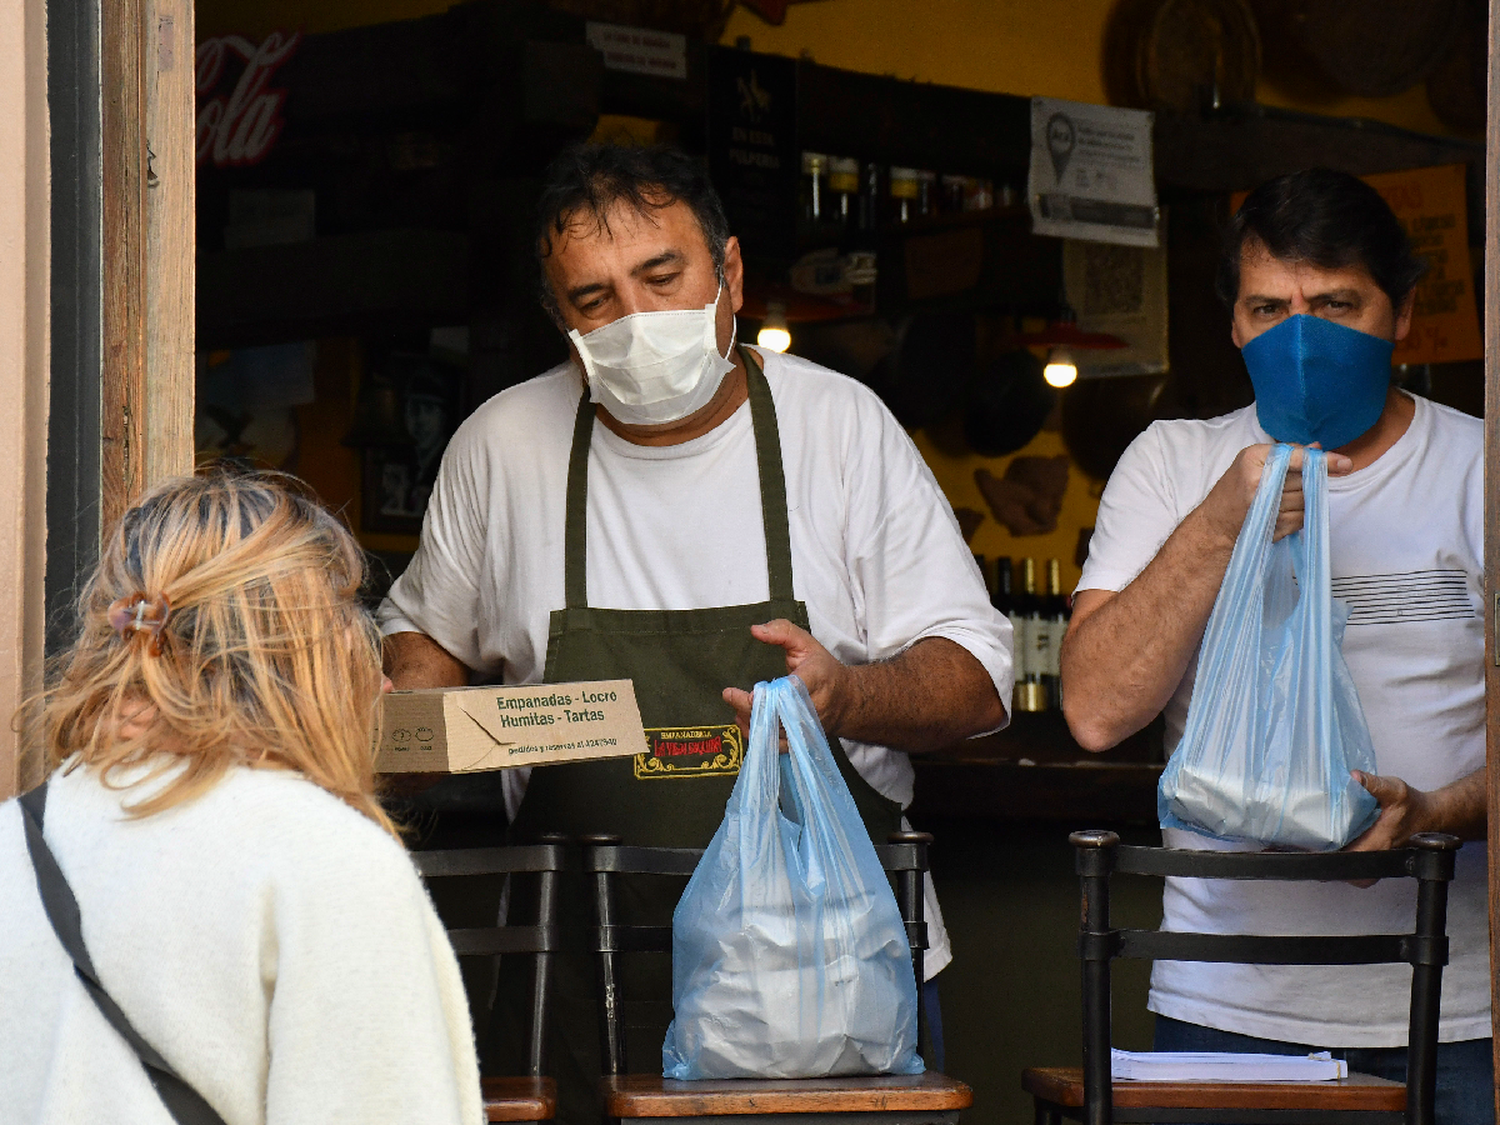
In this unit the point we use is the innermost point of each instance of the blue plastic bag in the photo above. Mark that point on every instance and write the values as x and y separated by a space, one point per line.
1274 725
789 956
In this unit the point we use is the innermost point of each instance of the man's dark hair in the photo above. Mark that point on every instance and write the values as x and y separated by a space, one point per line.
1330 219
586 180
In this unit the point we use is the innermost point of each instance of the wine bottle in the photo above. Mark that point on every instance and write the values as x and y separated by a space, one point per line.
1055 612
1031 639
1003 600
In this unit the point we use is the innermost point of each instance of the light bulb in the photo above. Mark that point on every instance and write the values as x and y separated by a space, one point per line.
1060 371
773 335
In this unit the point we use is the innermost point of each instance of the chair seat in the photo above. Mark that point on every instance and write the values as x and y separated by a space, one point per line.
641 1095
1063 1086
519 1099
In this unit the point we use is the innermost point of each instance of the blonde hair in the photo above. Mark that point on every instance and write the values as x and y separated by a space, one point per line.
258 653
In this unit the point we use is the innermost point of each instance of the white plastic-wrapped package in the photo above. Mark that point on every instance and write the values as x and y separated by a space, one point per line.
789 956
1274 725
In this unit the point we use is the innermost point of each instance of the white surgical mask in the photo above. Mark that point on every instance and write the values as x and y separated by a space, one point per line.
650 368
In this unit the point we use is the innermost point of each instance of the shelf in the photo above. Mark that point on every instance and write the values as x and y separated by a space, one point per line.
1079 793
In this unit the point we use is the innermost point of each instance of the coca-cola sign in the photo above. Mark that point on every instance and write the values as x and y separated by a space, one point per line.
239 128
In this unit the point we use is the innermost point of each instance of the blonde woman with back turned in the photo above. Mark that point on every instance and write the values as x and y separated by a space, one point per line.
243 897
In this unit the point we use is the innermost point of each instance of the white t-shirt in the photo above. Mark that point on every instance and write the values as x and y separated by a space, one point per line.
877 555
1406 546
273 944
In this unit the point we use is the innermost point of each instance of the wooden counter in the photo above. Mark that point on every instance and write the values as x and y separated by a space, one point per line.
1034 770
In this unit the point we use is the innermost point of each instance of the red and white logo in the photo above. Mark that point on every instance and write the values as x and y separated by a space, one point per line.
240 129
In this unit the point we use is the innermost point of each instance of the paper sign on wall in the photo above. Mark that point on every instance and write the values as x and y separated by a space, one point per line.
1432 206
1091 173
1120 291
639 50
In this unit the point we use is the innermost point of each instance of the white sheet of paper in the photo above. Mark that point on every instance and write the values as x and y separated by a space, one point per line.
1224 1066
1091 173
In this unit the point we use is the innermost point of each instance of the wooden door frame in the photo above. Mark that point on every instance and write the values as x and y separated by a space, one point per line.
147 249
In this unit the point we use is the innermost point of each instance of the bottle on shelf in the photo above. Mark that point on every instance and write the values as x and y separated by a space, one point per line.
1055 614
979 195
843 183
814 165
906 193
868 220
928 202
1030 642
1000 595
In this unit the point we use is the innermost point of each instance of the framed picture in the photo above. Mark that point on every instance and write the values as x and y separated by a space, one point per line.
422 401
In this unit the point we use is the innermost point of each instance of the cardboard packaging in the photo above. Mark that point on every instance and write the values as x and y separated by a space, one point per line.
464 730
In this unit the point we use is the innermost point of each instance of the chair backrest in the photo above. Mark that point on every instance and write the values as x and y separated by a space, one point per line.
546 859
1429 858
605 859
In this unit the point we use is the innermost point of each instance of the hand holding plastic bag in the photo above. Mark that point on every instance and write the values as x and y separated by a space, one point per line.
1274 725
789 956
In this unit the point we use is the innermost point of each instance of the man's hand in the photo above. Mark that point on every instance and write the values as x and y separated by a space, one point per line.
1460 809
825 678
415 660
1404 811
1229 501
932 695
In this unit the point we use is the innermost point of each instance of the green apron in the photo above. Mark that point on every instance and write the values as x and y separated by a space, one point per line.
674 794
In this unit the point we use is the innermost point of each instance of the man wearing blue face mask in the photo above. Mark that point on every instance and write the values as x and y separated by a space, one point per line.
1319 278
695 516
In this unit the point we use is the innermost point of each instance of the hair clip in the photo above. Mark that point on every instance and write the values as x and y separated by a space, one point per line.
140 614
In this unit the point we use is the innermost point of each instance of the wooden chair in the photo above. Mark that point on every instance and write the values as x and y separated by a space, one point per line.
1088 1093
925 1099
528 1097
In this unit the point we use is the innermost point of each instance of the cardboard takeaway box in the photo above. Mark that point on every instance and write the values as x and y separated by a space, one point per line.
465 730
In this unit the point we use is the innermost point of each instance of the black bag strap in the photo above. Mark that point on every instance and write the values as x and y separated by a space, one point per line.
184 1103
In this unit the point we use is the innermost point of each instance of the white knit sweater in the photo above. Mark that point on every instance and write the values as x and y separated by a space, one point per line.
272 943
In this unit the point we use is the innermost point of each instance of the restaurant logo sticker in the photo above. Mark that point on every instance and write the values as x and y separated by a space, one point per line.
687 752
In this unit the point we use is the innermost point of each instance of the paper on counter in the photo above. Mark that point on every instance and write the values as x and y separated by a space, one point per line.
1224 1066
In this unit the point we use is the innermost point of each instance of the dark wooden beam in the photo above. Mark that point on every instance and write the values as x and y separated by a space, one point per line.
1492 521
1244 146
915 124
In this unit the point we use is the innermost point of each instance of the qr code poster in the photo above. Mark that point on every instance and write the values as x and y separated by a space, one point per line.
1122 291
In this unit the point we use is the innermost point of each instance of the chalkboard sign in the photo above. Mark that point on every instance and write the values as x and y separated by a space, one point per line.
752 148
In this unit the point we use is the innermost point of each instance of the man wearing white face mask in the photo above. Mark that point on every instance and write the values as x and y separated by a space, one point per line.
697 517
1319 278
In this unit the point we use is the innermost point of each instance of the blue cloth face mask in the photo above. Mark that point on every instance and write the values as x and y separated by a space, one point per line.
1317 381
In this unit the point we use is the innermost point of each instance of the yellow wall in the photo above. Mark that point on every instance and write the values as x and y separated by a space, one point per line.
1046 47
955 474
